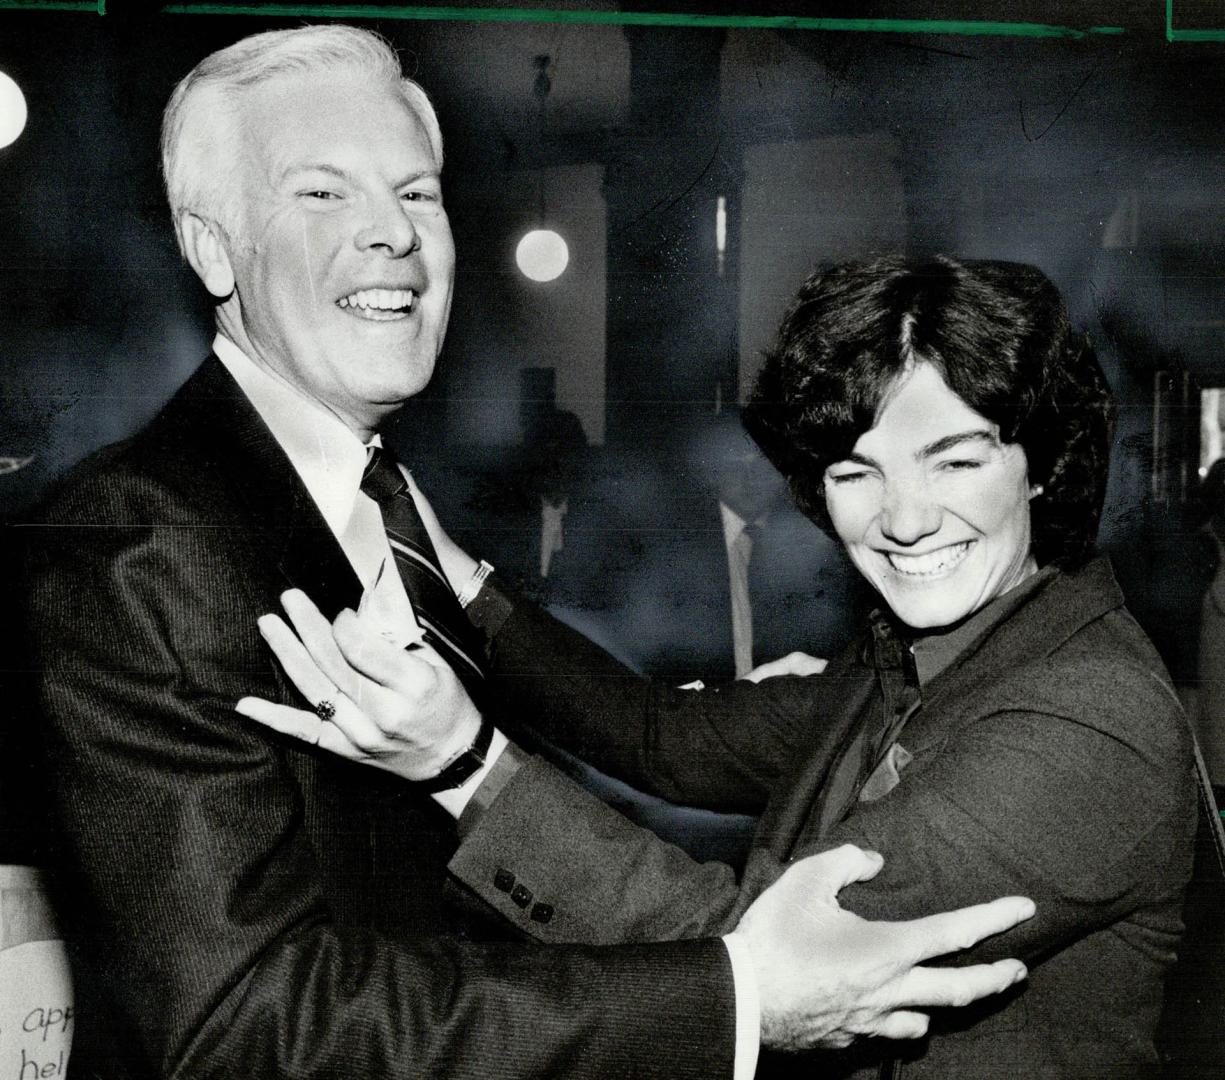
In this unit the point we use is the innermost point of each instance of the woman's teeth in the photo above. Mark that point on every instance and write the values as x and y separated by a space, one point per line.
933 562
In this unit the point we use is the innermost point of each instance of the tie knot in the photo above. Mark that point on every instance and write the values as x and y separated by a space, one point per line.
382 480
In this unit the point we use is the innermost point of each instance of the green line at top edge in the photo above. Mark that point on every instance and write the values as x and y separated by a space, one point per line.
92 7
962 27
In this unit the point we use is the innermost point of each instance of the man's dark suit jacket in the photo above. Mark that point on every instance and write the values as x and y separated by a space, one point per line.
1051 760
243 905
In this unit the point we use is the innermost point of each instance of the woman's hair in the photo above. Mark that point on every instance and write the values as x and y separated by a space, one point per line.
999 335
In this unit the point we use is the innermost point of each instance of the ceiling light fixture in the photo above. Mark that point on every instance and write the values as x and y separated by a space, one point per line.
542 254
13 111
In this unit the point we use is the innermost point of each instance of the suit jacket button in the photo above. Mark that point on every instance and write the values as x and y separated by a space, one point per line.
503 881
542 913
521 895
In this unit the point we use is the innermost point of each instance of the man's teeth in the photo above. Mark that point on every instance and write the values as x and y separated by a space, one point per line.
933 562
379 300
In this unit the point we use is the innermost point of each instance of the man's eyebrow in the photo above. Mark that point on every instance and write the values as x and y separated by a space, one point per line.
421 174
315 167
430 173
947 442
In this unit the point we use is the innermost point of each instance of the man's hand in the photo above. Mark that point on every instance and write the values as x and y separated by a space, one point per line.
402 710
827 976
794 663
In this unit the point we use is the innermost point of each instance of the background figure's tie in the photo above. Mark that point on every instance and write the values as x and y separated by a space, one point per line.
442 619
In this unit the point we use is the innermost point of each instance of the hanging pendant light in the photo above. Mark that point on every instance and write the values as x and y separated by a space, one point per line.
12 110
542 254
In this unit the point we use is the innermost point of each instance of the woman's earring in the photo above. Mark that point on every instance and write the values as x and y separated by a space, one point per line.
1035 490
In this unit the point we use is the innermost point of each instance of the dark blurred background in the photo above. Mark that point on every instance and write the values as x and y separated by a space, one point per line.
580 433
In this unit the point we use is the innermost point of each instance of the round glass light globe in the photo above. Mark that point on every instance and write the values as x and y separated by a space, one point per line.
12 110
542 255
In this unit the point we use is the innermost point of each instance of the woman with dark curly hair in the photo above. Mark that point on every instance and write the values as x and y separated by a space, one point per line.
999 337
1002 726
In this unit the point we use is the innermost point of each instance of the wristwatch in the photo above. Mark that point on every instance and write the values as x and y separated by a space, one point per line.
459 771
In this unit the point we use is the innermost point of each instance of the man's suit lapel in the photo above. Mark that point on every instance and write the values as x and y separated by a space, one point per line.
298 540
348 808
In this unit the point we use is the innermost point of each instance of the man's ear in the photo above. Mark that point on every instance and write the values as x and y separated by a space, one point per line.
205 251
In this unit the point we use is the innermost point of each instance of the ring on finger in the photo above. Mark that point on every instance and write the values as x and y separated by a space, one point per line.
325 710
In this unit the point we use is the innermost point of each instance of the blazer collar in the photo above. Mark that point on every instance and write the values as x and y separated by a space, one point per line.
288 522
1040 626
1050 616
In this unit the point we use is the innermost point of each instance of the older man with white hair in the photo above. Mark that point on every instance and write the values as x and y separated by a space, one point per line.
244 905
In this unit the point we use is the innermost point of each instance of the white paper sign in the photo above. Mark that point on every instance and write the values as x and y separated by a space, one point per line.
35 1011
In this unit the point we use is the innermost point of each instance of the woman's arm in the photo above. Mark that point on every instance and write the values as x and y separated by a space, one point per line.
1074 785
721 748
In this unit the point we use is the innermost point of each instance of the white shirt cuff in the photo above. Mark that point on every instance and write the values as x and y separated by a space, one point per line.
748 1007
454 800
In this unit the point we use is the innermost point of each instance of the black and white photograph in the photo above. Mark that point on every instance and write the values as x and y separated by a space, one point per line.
612 538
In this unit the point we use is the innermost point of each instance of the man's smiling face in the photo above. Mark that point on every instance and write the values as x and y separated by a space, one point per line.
344 262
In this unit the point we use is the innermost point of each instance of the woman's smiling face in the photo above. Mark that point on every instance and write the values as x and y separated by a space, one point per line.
931 506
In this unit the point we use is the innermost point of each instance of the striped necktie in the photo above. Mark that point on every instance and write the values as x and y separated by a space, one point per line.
445 626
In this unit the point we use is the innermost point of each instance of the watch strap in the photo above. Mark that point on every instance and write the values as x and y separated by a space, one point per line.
464 767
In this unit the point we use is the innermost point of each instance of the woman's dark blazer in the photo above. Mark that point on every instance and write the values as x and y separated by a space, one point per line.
1050 760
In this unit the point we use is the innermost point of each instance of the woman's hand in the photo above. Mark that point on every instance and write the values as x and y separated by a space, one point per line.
402 710
456 563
